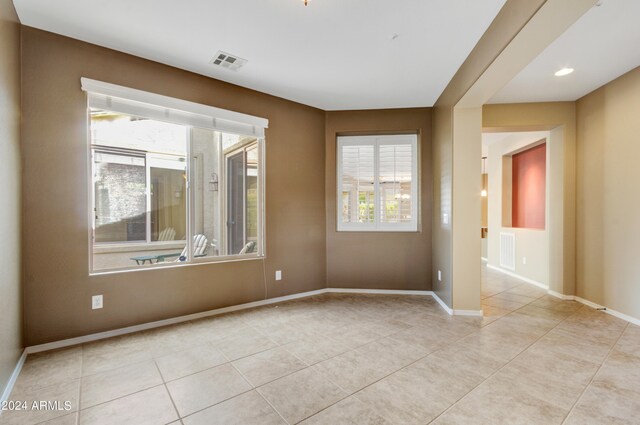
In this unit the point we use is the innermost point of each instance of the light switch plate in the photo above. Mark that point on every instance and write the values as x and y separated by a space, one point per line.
278 274
445 218
439 275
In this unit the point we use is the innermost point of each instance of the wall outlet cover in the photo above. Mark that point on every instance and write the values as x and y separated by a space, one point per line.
96 302
439 276
278 274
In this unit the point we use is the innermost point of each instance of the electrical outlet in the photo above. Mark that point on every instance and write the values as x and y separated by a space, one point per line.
96 302
439 276
278 274
445 218
524 260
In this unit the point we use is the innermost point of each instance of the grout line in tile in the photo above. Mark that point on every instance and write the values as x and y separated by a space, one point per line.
584 390
272 406
349 394
164 384
451 406
253 387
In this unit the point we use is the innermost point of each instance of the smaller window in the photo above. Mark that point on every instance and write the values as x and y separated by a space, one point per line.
378 183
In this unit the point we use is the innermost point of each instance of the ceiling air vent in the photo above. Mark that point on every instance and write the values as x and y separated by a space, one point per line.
225 60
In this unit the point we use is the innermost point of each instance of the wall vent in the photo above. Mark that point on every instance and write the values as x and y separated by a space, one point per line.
508 250
228 61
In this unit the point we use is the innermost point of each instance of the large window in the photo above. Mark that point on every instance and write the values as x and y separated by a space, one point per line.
377 183
172 187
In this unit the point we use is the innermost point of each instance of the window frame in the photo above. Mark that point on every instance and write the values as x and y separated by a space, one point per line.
255 124
376 141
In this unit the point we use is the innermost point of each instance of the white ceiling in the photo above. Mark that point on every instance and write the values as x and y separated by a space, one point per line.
602 45
331 54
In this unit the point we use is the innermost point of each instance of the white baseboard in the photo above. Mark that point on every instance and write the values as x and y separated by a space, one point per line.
475 313
160 323
585 302
484 259
14 377
591 304
444 305
175 320
588 303
517 276
561 296
453 312
378 291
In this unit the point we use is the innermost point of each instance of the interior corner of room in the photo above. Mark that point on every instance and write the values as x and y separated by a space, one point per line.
141 192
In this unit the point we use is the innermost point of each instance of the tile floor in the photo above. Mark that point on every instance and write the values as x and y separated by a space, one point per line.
354 359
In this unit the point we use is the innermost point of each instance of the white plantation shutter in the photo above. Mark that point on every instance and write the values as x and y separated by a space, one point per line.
395 178
358 189
377 183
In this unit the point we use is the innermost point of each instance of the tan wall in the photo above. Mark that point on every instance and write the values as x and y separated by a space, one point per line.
442 149
10 271
467 185
58 287
560 119
513 38
608 228
379 260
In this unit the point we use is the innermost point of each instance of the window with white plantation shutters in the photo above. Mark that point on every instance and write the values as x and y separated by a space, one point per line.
377 183
357 184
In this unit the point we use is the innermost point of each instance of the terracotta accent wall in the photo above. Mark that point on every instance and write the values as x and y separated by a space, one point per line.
10 223
379 260
58 287
529 172
608 197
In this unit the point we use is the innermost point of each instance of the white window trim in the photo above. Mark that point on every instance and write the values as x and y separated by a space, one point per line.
190 114
164 108
376 141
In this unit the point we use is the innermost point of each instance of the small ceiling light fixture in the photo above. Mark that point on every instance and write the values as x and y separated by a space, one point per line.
306 2
564 71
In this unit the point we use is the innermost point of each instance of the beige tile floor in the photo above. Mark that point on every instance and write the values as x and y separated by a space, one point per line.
354 359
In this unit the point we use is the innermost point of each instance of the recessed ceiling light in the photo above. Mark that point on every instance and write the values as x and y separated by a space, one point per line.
563 72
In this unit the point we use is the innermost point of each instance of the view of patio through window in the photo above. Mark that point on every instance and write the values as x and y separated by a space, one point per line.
166 193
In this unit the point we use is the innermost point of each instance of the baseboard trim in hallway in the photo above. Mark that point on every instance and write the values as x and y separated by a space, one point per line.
12 380
517 276
453 312
553 293
591 304
175 320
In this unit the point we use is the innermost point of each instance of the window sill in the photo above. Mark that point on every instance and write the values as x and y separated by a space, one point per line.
171 264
